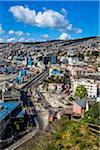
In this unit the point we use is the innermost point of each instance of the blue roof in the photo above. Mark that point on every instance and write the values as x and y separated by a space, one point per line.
20 115
81 103
6 108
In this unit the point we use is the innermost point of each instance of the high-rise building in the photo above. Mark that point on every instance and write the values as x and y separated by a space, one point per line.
30 61
53 59
46 59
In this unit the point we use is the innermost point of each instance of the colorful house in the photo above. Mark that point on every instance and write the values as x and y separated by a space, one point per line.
79 107
55 71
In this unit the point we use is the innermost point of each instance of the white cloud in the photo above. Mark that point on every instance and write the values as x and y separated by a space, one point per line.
70 27
50 18
11 32
19 39
79 31
30 40
22 39
44 36
1 29
1 40
23 14
64 11
18 33
12 39
64 36
45 18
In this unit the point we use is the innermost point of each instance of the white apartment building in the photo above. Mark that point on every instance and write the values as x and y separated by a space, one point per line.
40 65
90 85
77 70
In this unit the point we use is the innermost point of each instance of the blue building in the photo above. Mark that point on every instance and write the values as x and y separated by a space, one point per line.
19 79
50 58
53 59
22 72
30 61
8 110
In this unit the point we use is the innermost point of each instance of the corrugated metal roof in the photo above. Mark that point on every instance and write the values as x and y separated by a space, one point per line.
81 103
6 108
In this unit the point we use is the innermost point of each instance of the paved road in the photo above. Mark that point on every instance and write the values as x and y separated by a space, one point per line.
41 119
37 78
45 103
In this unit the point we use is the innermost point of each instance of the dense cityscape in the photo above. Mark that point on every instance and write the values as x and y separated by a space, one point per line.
49 75
41 82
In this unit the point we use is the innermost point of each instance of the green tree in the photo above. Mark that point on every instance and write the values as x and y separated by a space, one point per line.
80 56
81 91
95 53
65 135
88 53
71 98
92 116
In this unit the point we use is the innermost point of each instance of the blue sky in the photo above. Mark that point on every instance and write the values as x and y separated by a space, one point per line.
46 20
